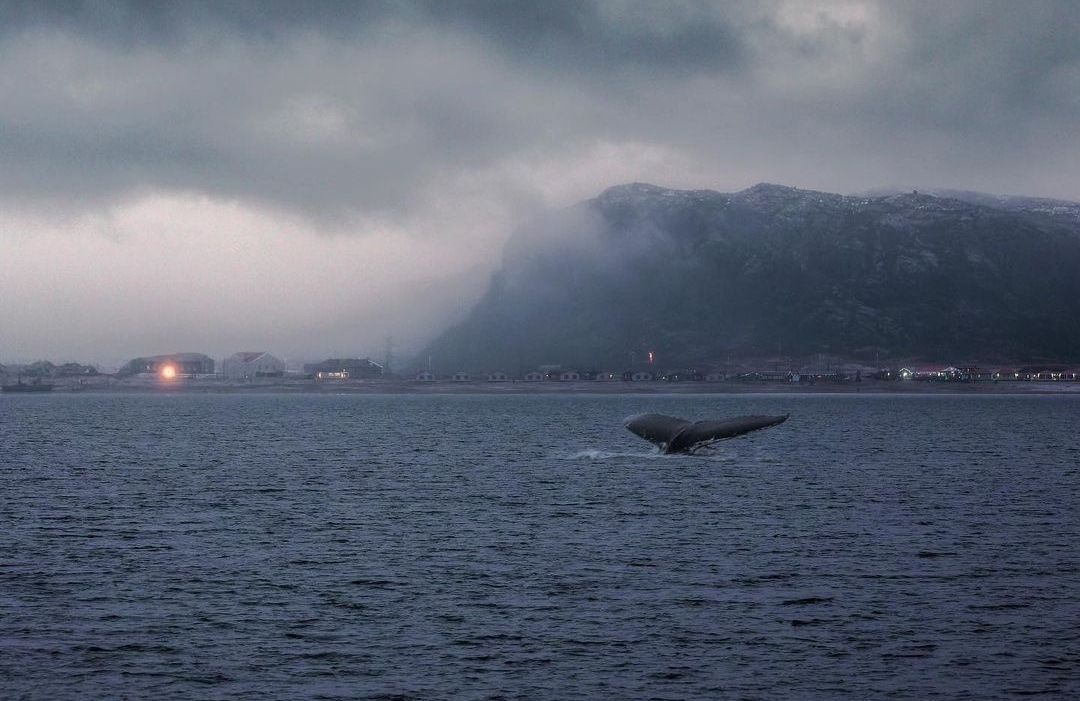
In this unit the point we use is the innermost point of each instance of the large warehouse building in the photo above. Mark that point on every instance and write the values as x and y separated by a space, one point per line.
171 364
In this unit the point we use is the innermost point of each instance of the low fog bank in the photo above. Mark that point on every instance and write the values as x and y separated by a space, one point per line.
186 273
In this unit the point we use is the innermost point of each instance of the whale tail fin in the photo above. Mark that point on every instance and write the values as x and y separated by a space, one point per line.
675 435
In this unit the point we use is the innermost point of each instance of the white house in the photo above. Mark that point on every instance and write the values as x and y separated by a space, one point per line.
497 376
425 376
569 376
461 377
252 364
642 376
606 377
534 376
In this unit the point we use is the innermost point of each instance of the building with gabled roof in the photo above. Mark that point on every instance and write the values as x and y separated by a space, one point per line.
345 368
180 364
248 365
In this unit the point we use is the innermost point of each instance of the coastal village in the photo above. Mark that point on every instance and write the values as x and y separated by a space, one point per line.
264 370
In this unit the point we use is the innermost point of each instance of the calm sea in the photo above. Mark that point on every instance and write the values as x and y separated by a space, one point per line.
529 547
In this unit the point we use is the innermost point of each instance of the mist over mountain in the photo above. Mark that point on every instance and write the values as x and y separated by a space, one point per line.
699 276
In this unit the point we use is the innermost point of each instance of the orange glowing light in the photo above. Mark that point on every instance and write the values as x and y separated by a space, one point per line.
168 372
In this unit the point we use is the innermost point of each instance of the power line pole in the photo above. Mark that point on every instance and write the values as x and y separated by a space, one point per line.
387 367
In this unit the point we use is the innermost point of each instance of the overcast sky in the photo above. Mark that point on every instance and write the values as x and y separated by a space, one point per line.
311 177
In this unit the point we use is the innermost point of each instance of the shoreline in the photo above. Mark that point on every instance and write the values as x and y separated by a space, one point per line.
110 385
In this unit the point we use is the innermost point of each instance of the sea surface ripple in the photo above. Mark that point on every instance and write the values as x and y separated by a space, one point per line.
529 547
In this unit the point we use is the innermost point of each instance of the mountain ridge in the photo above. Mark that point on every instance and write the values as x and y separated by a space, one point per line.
698 275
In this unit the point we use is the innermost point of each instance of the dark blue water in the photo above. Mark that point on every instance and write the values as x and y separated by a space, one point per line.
528 547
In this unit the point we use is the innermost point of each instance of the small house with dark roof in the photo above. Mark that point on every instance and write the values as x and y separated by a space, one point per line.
180 364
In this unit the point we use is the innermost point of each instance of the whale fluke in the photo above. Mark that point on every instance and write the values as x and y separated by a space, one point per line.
675 435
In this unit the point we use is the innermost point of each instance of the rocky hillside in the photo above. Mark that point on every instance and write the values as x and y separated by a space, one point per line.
697 276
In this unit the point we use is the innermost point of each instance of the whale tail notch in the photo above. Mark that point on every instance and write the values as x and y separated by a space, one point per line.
675 435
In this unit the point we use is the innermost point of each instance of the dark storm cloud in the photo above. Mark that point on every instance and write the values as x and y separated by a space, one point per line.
974 92
584 33
106 96
330 107
973 62
163 22
595 36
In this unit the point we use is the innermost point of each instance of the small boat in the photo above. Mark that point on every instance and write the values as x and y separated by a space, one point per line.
33 386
